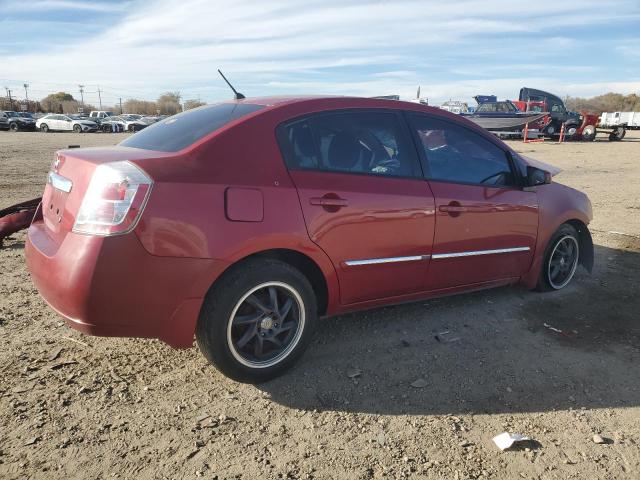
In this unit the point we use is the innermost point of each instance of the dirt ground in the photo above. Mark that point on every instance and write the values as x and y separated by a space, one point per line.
557 367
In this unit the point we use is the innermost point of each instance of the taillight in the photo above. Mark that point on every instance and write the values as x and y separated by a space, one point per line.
114 201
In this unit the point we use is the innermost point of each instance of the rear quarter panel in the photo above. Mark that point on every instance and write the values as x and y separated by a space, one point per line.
186 215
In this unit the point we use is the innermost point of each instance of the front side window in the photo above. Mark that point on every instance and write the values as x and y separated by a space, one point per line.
487 108
456 154
181 130
371 143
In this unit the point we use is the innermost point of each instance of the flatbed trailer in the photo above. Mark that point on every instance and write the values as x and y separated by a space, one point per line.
627 120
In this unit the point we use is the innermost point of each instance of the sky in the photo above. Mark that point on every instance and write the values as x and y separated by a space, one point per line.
451 49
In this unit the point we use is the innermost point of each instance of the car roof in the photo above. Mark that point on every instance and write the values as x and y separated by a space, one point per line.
274 101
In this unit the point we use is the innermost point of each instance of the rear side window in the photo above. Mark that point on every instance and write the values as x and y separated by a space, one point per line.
372 143
456 154
181 130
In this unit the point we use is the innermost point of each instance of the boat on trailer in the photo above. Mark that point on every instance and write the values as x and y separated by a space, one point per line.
502 116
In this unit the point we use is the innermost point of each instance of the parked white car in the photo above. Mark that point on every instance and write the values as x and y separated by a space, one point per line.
59 122
129 123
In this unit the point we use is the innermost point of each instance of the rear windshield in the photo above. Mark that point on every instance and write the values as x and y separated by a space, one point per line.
181 130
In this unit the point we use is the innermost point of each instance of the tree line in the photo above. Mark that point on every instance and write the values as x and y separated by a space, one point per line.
609 102
168 103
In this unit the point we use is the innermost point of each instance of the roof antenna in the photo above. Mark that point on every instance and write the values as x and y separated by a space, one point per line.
237 95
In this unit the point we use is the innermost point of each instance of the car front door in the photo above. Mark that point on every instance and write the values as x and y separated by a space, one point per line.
66 123
364 200
486 224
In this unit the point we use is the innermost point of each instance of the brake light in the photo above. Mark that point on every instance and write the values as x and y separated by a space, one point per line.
114 201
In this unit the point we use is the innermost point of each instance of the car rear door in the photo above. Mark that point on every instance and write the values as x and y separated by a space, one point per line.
364 200
55 122
486 224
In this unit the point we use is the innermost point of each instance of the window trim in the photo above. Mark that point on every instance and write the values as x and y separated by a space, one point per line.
515 172
404 131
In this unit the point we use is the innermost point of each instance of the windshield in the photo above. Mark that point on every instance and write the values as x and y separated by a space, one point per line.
181 130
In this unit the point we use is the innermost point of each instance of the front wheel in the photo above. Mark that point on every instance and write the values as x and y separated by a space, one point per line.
589 133
560 260
257 322
77 128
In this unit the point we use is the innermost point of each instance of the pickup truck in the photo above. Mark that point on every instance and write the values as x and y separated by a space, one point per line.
100 114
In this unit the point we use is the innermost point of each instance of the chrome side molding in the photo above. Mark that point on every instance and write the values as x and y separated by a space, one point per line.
59 182
417 258
376 261
479 252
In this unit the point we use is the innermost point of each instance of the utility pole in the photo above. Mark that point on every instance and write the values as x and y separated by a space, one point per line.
82 95
99 97
9 95
120 106
26 94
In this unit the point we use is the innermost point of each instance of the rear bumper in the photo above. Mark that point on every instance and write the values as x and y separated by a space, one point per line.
111 286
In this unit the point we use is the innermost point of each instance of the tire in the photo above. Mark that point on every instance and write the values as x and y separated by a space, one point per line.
617 134
570 131
589 133
565 239
549 130
44 127
14 127
247 291
77 128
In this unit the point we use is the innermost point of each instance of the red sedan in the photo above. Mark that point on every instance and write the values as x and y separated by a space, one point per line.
246 221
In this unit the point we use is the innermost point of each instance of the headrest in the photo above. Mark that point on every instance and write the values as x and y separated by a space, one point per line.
344 151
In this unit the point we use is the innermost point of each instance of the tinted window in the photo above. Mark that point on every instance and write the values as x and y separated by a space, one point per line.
365 142
181 130
456 154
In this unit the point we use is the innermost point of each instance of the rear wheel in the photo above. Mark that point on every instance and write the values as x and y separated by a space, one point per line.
257 322
14 127
560 260
549 130
589 133
617 134
44 127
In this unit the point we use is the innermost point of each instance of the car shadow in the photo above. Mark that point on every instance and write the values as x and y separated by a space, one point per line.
496 351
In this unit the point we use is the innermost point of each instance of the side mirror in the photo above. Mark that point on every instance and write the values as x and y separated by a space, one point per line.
537 176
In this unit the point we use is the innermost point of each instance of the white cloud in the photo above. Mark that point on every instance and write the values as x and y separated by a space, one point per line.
57 5
331 46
